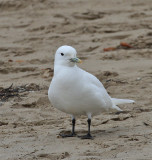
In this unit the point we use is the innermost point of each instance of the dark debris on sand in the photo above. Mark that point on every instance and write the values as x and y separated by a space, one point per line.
11 91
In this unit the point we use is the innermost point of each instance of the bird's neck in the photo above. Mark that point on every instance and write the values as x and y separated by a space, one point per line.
59 68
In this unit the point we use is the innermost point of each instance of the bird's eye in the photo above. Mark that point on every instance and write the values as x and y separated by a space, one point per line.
62 54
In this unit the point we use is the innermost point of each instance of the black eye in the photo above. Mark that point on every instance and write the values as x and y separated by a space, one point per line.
62 54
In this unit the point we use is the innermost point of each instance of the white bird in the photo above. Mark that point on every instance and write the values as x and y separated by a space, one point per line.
77 92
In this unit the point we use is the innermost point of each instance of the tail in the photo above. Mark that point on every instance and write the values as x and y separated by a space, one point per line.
116 101
121 101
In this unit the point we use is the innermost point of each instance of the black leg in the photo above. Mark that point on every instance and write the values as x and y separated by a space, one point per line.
88 136
89 123
73 130
73 126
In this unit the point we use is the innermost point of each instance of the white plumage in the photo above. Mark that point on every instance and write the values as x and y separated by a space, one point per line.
76 91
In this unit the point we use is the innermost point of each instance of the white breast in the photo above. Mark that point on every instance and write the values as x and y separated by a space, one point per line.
78 94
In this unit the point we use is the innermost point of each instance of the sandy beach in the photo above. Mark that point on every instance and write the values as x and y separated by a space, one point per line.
114 40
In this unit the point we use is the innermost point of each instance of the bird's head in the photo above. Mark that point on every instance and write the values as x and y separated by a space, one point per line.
66 55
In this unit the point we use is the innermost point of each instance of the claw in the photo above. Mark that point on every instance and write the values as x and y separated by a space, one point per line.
88 136
68 135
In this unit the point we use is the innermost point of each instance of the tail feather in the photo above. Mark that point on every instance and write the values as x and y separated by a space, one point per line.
121 101
116 102
116 108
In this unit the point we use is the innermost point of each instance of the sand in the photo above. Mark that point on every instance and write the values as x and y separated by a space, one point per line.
30 33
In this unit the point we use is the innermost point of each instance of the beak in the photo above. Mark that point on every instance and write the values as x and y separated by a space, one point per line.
76 60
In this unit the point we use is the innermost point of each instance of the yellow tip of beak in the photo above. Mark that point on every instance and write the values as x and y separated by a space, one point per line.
79 61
